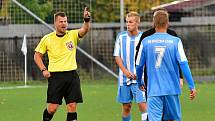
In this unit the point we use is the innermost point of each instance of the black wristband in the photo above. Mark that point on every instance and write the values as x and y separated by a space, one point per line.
87 19
44 69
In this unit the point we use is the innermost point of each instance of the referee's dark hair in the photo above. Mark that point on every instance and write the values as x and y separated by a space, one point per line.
61 14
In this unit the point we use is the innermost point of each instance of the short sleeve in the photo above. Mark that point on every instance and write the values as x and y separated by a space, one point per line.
41 47
74 35
117 48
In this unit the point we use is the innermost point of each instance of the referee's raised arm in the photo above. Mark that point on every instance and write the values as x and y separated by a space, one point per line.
86 25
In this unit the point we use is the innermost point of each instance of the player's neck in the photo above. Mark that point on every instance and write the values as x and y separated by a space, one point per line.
133 33
60 33
161 30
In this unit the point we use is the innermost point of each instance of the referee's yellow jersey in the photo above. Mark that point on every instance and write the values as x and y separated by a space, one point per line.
61 50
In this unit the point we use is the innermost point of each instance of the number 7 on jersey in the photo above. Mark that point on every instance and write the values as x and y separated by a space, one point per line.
159 50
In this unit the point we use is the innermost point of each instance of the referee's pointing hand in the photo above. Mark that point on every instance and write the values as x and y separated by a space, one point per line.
86 13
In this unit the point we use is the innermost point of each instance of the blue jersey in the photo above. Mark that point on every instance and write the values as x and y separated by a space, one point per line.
125 48
161 53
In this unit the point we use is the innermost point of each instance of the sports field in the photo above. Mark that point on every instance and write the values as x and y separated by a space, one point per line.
27 104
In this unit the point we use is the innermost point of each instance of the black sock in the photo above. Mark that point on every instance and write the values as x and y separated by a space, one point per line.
47 116
71 116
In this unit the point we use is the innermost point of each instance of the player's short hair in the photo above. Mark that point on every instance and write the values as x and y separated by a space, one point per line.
134 14
159 9
61 14
161 19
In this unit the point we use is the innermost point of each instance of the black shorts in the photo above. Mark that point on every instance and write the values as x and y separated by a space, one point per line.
64 85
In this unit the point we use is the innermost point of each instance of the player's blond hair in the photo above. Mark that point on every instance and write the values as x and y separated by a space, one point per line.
161 19
134 14
159 9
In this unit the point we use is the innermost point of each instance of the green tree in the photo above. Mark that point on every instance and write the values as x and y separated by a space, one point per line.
105 10
109 10
41 9
72 8
3 8
102 10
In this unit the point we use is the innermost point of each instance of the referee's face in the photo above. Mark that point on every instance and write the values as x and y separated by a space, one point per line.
61 25
132 24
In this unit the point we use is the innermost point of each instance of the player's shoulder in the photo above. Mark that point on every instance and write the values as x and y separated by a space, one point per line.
151 30
174 38
73 31
147 38
123 33
120 34
172 32
151 34
140 32
49 35
148 32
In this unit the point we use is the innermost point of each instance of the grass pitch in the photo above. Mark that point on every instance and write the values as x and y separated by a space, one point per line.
27 104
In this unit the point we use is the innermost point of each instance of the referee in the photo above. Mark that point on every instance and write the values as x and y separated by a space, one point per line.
63 80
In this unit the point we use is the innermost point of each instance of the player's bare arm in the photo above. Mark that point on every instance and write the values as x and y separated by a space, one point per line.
181 82
86 25
124 70
38 58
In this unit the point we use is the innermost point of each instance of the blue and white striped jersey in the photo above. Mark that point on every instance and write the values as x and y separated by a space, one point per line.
161 53
125 47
